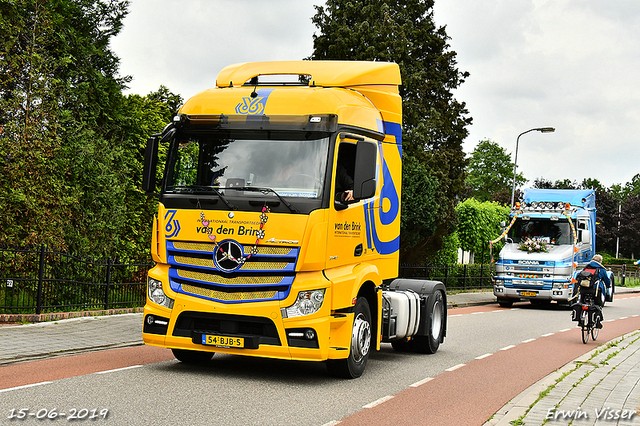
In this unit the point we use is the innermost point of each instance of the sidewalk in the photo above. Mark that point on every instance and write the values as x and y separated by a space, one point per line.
599 387
608 376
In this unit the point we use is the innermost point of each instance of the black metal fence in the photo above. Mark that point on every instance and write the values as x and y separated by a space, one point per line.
38 280
454 277
626 275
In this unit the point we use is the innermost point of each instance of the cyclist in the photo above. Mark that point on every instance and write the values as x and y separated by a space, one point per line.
599 273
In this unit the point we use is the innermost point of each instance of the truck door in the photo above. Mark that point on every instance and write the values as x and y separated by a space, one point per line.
346 236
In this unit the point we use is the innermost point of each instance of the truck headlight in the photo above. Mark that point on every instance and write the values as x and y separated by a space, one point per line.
156 294
308 302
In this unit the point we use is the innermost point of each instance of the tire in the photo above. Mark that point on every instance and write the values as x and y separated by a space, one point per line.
353 366
505 303
435 326
402 346
584 322
594 333
585 334
613 289
540 302
192 357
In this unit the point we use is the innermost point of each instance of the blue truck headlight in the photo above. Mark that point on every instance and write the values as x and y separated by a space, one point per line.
308 302
156 294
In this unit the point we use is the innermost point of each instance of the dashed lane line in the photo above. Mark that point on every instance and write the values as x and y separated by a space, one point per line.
421 382
117 369
455 367
24 386
378 401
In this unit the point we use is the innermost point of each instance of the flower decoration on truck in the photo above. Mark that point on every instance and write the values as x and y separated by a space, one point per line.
260 235
533 245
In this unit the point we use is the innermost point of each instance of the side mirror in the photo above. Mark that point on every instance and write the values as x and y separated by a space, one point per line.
150 164
364 179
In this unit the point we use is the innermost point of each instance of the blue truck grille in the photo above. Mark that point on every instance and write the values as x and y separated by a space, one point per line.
263 274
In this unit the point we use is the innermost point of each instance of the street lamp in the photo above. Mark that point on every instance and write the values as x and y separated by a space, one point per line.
515 161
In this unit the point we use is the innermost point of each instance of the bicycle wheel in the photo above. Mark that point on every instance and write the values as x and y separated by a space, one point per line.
585 333
594 333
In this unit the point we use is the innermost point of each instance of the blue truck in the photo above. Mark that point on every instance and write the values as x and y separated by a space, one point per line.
551 235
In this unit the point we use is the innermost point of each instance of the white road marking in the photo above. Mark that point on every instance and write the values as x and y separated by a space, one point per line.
528 340
421 382
483 356
455 367
508 347
548 334
378 401
117 369
24 386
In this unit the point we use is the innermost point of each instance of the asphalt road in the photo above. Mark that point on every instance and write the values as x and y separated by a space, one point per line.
489 356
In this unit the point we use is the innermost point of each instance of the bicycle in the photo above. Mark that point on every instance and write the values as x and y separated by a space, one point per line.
587 311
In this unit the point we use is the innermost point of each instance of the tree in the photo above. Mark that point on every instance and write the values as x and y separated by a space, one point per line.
71 145
490 173
606 222
630 227
479 223
434 123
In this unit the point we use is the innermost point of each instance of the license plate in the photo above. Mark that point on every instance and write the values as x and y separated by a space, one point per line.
528 293
228 342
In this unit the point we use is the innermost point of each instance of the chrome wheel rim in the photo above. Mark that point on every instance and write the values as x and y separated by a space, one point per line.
360 337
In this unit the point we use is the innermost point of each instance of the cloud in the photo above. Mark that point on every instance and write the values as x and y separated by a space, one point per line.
568 64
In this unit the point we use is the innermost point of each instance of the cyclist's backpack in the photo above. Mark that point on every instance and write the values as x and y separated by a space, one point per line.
588 277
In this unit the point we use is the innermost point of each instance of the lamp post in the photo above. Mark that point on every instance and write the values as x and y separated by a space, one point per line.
515 161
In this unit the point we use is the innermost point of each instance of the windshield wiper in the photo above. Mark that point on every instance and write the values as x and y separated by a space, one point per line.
214 190
265 190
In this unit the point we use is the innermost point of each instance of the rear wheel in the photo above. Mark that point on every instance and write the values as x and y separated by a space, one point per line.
353 366
436 326
192 357
505 303
585 334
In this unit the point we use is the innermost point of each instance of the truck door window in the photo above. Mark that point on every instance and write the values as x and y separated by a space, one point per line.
344 172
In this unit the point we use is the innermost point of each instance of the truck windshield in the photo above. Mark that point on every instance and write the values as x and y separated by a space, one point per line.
234 165
550 232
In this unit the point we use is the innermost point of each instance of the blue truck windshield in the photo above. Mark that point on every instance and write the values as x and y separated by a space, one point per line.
550 232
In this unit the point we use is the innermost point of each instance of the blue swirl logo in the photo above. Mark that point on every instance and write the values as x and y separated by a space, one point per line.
172 226
254 106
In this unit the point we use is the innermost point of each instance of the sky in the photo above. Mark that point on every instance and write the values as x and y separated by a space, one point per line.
571 65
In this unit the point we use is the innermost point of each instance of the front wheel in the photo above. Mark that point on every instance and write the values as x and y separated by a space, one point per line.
504 302
353 366
192 357
594 333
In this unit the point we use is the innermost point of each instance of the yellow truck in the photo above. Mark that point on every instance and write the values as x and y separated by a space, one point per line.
278 226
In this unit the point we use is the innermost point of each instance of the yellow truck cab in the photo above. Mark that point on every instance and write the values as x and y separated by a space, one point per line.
278 227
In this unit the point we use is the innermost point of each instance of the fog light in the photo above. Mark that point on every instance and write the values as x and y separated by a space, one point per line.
310 334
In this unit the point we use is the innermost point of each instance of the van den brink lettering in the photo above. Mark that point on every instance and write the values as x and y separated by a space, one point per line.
222 230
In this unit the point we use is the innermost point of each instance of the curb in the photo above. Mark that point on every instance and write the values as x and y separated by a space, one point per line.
6 319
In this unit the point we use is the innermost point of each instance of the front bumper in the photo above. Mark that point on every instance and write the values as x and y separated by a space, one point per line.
260 324
557 294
